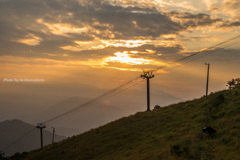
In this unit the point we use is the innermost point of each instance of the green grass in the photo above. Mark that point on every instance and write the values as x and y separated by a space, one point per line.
170 133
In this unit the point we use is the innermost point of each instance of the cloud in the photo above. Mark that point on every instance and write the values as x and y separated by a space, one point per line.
227 8
125 22
94 30
101 20
210 3
125 43
62 28
231 7
32 40
101 44
158 4
84 45
188 20
230 24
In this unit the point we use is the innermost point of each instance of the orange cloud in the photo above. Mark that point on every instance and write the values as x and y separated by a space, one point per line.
31 40
125 43
62 28
100 44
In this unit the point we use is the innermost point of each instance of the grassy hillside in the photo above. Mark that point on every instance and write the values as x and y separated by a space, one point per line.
10 130
170 133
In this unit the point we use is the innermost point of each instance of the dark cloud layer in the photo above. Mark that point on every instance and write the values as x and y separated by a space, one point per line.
230 24
194 20
19 20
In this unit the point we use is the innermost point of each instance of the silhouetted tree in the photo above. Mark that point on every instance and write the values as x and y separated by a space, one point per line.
237 80
233 83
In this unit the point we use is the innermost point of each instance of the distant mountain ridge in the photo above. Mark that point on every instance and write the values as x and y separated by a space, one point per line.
12 130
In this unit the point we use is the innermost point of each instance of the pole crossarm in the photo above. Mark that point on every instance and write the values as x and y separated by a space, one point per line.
41 125
147 74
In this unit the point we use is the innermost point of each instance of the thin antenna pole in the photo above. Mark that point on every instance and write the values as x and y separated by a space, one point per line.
207 78
53 135
41 126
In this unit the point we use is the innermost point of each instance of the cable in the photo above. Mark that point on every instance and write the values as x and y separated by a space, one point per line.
204 50
80 108
207 54
118 89
92 101
195 54
95 100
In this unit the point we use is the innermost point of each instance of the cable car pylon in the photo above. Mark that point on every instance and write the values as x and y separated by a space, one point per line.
41 126
147 75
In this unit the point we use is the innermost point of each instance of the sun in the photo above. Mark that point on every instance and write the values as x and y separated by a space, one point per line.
123 57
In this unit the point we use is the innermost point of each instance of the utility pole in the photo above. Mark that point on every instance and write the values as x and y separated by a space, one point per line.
41 126
148 75
53 135
207 78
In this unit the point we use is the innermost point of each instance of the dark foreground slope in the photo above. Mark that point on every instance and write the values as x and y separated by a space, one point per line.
10 130
169 133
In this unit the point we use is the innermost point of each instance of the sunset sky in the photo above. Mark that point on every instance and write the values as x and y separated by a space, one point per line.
83 48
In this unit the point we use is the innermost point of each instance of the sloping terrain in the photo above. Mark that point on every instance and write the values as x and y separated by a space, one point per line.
170 133
11 130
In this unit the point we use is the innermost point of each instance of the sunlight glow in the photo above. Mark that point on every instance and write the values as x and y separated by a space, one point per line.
100 44
150 51
124 61
125 43
125 58
134 52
